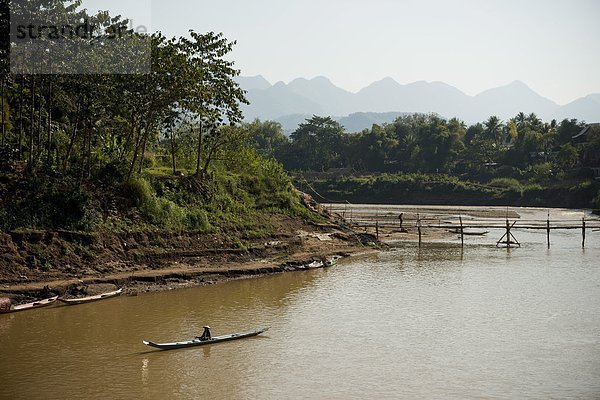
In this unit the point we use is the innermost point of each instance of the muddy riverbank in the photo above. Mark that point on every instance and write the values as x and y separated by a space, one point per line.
39 264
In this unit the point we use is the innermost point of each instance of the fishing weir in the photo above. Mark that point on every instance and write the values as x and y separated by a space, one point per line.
463 221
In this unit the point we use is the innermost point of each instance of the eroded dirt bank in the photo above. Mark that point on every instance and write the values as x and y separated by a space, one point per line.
38 264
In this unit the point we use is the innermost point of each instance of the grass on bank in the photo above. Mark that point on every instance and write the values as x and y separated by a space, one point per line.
233 196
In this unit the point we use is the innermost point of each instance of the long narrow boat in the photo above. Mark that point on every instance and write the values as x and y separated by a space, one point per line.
198 342
469 232
31 306
90 299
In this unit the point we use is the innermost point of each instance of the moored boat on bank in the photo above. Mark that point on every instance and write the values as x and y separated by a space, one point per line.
30 306
91 299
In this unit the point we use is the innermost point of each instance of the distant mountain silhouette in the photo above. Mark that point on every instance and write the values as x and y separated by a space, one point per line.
376 103
356 122
586 108
509 100
388 95
253 82
320 90
277 101
291 122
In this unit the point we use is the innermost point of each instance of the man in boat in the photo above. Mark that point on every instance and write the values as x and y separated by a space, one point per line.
206 334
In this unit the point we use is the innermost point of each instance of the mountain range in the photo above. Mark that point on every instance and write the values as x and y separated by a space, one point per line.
384 100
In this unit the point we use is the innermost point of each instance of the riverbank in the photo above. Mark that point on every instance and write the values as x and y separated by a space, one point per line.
435 189
37 264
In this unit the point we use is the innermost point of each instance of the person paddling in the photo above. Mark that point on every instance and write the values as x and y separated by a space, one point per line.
206 334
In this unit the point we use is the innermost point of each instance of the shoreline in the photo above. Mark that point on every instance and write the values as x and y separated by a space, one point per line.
158 261
141 268
154 280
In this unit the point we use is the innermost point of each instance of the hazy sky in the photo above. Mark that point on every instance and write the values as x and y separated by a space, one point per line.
551 45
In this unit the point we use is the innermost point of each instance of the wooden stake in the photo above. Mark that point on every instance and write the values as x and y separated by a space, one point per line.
419 227
509 236
583 233
462 233
548 228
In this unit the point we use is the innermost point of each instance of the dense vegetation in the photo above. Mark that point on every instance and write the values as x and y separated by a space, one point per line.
168 150
523 156
157 150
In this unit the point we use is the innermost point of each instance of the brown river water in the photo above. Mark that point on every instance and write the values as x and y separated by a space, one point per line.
436 322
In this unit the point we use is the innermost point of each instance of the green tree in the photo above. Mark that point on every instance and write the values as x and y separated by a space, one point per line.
494 131
567 157
268 137
317 144
212 96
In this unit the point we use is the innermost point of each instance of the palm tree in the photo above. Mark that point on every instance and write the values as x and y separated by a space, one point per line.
534 122
494 129
521 120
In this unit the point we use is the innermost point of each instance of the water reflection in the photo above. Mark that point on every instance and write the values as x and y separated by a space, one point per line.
145 373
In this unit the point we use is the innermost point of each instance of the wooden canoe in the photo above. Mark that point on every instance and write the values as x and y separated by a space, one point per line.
31 306
197 342
469 232
91 299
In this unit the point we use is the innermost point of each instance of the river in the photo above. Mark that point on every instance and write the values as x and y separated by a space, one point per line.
434 322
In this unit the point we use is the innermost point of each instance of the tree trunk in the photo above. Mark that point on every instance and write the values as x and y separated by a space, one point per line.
129 138
49 141
83 160
3 117
208 160
31 124
39 119
144 142
199 158
136 151
173 157
73 138
89 147
21 94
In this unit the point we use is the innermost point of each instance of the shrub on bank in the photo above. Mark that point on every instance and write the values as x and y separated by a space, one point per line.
596 203
46 202
508 184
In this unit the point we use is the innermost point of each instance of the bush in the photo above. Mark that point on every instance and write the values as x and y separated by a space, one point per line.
8 154
112 172
159 211
542 172
507 183
596 203
589 190
197 219
5 224
48 203
149 160
139 190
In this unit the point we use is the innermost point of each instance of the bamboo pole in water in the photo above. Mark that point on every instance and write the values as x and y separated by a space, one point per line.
419 228
548 229
462 233
583 233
